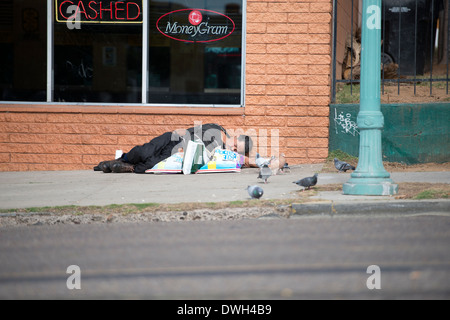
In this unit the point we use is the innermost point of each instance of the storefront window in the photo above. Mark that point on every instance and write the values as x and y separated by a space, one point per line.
23 50
195 52
98 51
83 51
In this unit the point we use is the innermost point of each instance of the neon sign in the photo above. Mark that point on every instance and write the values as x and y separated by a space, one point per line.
195 25
86 11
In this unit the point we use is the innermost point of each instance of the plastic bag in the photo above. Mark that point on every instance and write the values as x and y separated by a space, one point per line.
173 164
223 161
193 157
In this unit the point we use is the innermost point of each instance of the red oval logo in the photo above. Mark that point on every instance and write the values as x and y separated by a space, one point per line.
195 25
195 17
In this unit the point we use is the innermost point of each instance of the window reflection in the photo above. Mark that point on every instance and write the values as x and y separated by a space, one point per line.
98 62
195 60
194 52
23 50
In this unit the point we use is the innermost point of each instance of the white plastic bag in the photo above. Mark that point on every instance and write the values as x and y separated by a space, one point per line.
193 157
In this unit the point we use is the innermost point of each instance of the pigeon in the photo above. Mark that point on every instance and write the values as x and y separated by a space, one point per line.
342 165
255 192
277 164
260 162
286 168
264 173
308 182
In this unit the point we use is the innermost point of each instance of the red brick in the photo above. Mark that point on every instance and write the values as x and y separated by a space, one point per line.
299 132
319 28
284 111
285 69
265 120
307 121
256 6
5 157
64 117
319 69
286 28
132 140
27 117
287 48
255 110
320 153
255 69
11 167
92 159
319 90
309 38
319 49
255 89
286 90
28 158
65 159
294 153
320 7
266 79
81 149
307 79
14 127
309 59
309 100
101 118
317 111
309 17
267 58
99 139
308 142
62 138
318 132
26 138
267 38
258 48
256 27
267 17
297 6
266 100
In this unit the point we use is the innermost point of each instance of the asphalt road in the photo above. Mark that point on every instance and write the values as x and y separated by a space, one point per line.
318 257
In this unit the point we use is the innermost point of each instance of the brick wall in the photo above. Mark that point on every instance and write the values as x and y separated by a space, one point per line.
288 74
288 65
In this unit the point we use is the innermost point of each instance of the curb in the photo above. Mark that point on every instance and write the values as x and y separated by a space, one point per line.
400 207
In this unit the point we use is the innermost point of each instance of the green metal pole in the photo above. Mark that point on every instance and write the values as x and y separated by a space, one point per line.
370 177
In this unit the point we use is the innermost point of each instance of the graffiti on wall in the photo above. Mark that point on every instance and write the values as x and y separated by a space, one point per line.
344 124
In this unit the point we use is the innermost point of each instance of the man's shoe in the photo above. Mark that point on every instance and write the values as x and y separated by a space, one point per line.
122 167
106 166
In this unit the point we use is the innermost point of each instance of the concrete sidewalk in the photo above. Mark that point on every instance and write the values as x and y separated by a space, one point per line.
84 188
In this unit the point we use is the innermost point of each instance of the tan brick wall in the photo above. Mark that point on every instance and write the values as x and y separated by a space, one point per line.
288 74
288 63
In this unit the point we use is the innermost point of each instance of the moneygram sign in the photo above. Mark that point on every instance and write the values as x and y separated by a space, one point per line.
195 25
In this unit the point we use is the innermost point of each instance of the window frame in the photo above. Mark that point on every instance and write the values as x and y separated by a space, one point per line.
145 55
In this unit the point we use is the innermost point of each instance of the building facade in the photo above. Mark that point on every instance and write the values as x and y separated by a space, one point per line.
82 79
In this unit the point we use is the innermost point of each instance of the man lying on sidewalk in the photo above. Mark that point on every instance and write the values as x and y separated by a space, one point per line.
146 156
